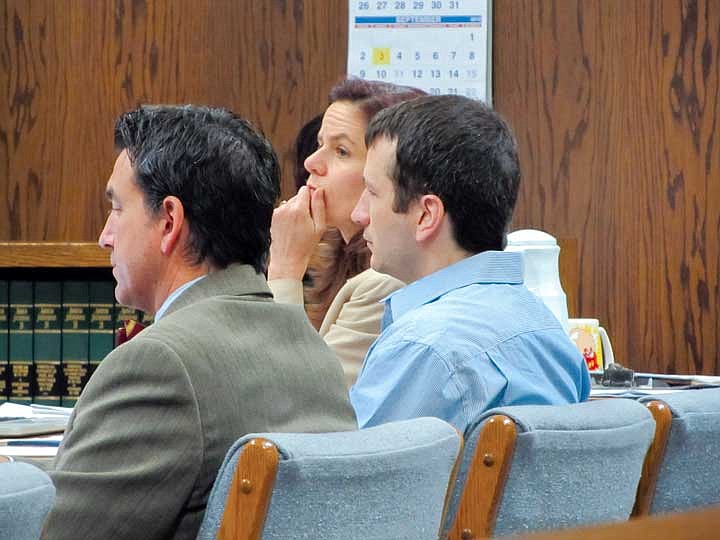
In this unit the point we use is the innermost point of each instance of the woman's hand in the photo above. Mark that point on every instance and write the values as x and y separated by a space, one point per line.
297 226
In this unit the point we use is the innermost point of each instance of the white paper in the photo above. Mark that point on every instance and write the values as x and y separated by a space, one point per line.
15 410
440 46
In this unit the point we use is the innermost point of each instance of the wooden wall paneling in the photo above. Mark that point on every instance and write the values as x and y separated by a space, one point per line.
688 201
615 105
78 64
68 68
283 58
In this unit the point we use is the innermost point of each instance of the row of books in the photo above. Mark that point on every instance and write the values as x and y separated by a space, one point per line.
53 335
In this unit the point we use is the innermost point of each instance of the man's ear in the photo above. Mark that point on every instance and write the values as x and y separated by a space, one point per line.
431 216
172 217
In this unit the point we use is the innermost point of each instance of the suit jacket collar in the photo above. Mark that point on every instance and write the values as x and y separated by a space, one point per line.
235 280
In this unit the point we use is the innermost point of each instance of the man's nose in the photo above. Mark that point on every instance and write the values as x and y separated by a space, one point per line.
105 239
360 215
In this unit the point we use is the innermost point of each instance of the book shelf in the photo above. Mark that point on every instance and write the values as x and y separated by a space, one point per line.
53 255
57 318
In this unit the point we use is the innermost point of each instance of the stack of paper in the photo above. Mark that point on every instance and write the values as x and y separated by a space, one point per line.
20 421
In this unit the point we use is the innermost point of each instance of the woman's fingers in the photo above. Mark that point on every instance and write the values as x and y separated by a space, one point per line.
317 210
294 237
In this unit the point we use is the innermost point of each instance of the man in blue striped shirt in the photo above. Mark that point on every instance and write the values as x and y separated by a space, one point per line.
465 335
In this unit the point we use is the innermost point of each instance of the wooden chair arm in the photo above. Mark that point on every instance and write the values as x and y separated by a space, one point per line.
250 492
485 480
653 459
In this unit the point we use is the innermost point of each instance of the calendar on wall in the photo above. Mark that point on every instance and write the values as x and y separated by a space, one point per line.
440 46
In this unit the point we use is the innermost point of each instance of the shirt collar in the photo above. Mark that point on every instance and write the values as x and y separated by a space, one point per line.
487 267
173 296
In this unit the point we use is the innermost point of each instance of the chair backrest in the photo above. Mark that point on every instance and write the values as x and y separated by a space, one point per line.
689 473
389 481
531 468
26 495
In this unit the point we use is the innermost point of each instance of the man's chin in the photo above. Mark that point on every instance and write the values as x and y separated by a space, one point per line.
120 296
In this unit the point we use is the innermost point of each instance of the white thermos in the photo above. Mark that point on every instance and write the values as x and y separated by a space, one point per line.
542 273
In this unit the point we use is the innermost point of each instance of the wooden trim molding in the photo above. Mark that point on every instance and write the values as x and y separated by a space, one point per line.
53 255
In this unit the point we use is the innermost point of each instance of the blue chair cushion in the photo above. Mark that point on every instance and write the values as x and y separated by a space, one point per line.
26 495
382 482
689 476
573 465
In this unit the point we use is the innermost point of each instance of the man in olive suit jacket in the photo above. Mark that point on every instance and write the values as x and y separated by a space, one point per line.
192 194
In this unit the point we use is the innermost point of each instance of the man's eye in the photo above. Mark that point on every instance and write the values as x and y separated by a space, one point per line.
342 152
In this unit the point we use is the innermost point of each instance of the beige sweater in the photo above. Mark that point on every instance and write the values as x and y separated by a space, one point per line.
352 321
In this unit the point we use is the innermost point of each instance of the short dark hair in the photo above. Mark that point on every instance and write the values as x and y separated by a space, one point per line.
372 96
460 150
224 172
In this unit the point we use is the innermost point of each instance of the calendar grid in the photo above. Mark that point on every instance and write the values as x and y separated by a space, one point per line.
440 46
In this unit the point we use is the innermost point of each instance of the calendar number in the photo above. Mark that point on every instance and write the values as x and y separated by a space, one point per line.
362 6
418 5
400 4
436 4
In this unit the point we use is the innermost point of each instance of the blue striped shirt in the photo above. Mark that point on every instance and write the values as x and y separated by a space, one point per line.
465 339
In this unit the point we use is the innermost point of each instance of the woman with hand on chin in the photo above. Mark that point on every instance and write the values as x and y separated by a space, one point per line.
344 298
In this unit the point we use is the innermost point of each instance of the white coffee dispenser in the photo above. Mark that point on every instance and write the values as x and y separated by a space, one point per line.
542 272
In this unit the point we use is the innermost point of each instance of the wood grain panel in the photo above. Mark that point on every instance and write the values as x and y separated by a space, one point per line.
53 255
68 68
615 105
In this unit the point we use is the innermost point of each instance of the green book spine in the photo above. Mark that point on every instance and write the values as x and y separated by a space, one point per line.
124 314
75 339
47 329
146 318
20 341
102 325
4 342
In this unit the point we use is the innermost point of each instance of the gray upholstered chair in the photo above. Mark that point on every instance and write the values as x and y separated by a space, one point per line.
384 482
26 495
530 468
686 474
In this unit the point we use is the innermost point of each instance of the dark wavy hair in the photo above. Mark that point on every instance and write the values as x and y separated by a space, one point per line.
336 261
224 172
460 150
